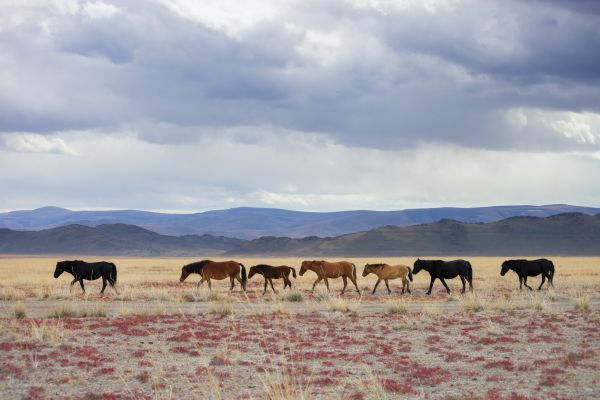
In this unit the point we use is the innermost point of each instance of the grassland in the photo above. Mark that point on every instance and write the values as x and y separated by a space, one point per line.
162 339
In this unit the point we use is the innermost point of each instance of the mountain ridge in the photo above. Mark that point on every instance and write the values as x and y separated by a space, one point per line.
251 223
562 234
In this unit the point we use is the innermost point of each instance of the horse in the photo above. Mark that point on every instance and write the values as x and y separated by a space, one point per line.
269 272
218 270
385 272
441 270
89 271
525 268
325 270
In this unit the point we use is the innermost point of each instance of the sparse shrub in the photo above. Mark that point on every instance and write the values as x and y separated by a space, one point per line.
97 310
188 298
538 302
470 302
397 307
221 309
582 303
322 296
62 311
19 311
342 305
294 297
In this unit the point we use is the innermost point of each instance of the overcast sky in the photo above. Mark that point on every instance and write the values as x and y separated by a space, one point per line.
187 105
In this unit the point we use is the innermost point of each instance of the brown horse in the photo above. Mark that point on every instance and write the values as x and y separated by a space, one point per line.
269 272
385 272
325 270
218 270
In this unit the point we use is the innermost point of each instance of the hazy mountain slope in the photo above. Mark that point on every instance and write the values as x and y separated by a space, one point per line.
257 222
568 234
564 234
113 239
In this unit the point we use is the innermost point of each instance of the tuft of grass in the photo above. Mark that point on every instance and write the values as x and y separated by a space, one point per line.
221 309
188 298
97 310
19 311
470 302
11 294
284 387
294 297
322 296
397 307
581 303
62 311
46 331
342 305
538 302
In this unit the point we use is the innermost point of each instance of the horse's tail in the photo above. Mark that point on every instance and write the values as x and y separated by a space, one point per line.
244 276
469 272
410 274
293 272
114 272
551 270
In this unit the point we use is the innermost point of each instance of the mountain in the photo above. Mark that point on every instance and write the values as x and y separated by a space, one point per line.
110 239
249 223
564 234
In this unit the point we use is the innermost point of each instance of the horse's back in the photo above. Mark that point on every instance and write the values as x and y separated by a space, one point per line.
393 271
220 269
337 268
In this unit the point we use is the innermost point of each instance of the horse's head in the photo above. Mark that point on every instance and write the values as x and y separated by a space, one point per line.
184 273
61 267
367 270
305 266
417 266
253 271
505 267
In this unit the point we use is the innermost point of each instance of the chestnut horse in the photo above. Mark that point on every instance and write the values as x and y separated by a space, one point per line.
325 270
385 272
218 270
269 272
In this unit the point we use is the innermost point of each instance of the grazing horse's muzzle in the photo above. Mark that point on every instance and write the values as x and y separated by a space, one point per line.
57 273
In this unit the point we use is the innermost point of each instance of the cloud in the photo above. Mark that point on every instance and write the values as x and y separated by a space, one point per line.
370 74
34 143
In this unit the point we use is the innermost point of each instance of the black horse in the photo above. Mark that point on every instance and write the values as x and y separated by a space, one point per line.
525 268
90 271
441 270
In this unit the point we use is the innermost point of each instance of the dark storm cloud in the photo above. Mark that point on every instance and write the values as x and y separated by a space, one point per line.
389 78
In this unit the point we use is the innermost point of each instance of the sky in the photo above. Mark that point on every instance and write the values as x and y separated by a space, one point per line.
183 105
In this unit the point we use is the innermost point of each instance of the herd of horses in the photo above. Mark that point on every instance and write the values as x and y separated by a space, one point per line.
220 270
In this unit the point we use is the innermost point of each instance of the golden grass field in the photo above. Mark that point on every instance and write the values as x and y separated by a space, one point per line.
162 339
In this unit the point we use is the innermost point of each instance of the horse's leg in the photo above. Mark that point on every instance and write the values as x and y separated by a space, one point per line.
232 280
209 284
200 282
376 284
520 282
431 285
446 286
103 285
265 288
345 283
387 286
271 282
317 281
463 283
82 287
326 284
525 283
543 280
355 285
112 284
403 285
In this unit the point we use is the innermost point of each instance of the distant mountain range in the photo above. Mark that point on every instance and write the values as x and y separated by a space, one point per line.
563 234
250 223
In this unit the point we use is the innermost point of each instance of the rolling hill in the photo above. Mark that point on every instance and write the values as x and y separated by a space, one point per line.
250 223
563 234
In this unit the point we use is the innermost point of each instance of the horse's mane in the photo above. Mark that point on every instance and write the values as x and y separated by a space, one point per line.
378 265
196 267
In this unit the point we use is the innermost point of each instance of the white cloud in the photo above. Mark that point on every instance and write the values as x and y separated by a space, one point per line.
34 143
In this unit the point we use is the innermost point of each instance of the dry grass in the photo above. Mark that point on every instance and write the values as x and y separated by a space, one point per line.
19 311
399 306
471 302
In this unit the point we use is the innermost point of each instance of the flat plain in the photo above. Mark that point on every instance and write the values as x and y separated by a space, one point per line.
162 339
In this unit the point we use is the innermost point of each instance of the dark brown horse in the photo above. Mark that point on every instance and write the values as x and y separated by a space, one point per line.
325 270
269 272
218 270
